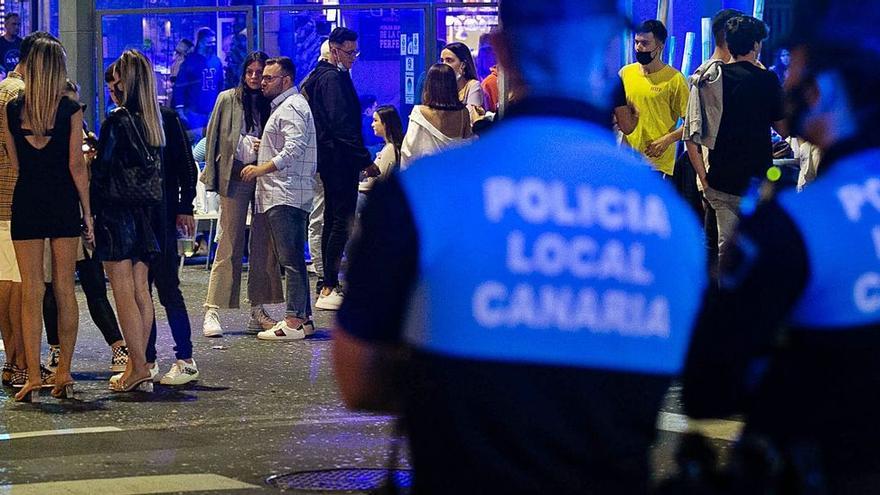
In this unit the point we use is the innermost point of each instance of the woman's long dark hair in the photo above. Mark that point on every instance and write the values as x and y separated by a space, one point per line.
441 90
249 97
464 54
393 128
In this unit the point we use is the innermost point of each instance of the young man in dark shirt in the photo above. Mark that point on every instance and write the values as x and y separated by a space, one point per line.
10 42
752 102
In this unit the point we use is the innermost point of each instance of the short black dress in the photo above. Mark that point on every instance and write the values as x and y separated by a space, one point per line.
122 232
45 203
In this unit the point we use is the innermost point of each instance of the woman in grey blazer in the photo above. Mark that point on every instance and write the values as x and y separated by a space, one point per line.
232 142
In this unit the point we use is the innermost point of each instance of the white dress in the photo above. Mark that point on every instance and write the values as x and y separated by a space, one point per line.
423 139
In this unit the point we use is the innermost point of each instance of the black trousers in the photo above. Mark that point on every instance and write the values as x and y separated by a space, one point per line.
91 278
163 274
340 202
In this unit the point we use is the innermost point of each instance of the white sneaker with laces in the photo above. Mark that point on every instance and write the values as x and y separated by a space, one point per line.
331 301
282 332
260 320
211 327
181 373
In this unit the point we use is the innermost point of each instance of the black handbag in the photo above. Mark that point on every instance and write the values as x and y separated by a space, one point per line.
137 179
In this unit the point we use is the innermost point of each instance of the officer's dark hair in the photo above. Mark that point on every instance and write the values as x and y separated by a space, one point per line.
10 15
25 49
742 33
441 89
654 27
341 34
285 63
719 24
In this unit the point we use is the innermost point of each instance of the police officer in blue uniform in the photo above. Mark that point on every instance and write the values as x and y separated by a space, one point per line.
792 340
543 283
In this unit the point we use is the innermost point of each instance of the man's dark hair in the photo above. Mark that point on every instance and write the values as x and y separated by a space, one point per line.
108 74
719 23
654 27
742 33
25 49
203 33
10 15
340 35
285 63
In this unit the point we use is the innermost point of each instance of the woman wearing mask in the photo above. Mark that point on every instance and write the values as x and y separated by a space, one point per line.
439 122
44 142
458 56
233 139
127 235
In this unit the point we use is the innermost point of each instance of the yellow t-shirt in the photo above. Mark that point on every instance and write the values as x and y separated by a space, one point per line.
661 99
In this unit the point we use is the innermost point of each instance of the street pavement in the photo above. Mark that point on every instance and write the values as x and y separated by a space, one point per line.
259 409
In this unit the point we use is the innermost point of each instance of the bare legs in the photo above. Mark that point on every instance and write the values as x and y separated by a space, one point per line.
10 322
134 308
29 254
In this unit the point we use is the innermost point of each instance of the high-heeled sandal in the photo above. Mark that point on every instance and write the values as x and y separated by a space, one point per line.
29 394
20 377
145 384
63 390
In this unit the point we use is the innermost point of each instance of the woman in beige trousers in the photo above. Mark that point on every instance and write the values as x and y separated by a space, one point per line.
232 141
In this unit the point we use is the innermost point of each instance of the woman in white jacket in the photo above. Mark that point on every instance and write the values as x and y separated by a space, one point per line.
441 121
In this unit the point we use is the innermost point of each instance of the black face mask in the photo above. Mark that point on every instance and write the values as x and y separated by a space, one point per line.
644 58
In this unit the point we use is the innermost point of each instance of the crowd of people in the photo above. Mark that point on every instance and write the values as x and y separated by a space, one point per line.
527 314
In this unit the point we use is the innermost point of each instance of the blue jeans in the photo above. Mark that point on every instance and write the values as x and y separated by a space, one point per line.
163 274
287 228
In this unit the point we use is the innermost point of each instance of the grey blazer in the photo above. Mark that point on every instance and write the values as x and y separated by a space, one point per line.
224 130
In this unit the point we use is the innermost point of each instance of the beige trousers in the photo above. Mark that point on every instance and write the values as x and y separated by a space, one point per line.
264 272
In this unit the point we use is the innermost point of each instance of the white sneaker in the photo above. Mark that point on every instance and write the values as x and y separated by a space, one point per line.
260 320
181 373
211 327
331 301
283 332
154 373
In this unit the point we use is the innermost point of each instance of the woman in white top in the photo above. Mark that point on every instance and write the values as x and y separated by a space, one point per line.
386 125
441 121
458 56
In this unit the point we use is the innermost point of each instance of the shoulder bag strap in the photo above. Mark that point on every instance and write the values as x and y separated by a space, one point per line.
129 121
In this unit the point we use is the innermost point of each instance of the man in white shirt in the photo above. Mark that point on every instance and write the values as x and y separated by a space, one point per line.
285 175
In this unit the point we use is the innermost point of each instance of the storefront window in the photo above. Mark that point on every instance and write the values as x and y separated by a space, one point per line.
392 44
469 25
195 55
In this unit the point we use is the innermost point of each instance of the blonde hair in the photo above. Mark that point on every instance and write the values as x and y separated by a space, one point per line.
138 85
46 76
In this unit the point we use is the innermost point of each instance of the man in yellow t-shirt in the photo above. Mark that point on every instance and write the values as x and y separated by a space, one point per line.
659 93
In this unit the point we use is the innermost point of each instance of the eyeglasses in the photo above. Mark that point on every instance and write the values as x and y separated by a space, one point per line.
269 79
354 53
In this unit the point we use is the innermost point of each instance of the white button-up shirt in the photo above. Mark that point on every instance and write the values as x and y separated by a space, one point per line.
288 142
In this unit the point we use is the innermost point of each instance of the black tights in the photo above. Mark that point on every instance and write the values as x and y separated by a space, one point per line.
91 278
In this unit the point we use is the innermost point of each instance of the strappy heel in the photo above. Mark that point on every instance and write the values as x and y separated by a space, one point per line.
64 390
29 394
145 384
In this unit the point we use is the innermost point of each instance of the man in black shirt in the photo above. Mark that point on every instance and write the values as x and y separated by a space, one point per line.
752 101
10 43
791 341
341 153
538 356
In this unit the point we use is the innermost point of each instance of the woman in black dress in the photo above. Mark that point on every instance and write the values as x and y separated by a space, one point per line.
128 237
51 200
